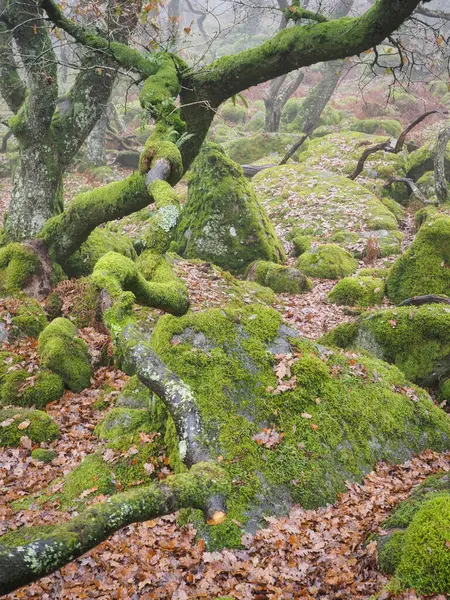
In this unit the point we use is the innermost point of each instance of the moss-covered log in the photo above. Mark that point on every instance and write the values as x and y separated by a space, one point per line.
31 553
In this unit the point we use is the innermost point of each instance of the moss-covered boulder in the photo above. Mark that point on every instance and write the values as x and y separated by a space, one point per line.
319 203
422 160
414 547
223 221
415 339
20 388
134 395
232 113
34 424
289 418
378 126
425 267
281 279
248 150
101 241
327 261
92 477
64 353
43 455
17 265
357 291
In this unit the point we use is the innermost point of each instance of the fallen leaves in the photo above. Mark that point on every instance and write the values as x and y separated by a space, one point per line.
268 438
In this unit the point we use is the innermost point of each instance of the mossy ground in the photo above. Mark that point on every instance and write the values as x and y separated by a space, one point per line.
40 427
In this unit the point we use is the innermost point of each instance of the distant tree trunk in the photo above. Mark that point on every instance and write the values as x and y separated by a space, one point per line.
441 185
96 151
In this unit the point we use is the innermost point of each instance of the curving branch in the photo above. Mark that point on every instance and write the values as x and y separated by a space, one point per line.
365 155
203 487
402 137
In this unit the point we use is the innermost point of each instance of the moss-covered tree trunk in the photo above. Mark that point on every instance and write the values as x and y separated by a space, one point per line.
37 192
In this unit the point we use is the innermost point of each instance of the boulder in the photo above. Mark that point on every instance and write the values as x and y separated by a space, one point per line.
327 261
290 420
222 220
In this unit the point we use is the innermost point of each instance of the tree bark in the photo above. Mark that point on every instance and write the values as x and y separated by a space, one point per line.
96 151
441 185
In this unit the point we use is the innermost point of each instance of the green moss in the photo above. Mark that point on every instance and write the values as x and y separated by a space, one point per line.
134 394
444 391
425 557
379 126
65 354
21 388
227 357
357 291
26 318
377 272
390 550
91 473
17 265
320 204
256 123
43 455
342 336
101 241
424 267
248 150
415 339
438 88
41 427
222 221
281 279
301 244
233 114
421 161
327 261
121 421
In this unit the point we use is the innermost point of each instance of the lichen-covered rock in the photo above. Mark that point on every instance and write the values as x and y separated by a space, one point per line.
425 267
415 339
319 203
357 291
101 241
248 150
64 353
296 438
223 221
281 279
17 422
414 547
327 261
20 388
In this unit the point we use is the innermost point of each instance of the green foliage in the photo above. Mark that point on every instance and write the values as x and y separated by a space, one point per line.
39 426
281 279
357 291
65 354
327 261
222 221
21 388
424 267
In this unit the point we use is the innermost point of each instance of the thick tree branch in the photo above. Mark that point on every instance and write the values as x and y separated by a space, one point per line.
365 155
434 14
401 140
440 181
203 487
297 47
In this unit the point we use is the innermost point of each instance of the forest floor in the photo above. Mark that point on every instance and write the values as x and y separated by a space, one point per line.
312 554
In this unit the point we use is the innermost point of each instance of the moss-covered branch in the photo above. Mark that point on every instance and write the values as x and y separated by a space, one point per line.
31 553
302 46
12 88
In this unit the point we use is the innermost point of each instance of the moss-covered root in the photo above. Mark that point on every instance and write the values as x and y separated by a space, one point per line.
64 353
35 552
279 278
117 274
176 395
